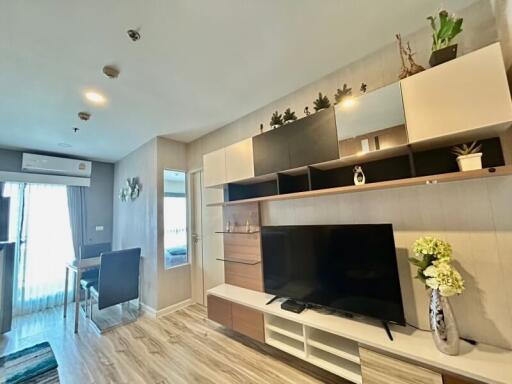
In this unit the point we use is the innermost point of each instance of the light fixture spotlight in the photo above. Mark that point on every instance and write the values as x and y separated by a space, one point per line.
133 34
75 129
84 116
95 97
111 71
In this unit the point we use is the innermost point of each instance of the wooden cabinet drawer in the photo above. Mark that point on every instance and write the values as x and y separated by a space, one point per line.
239 161
248 322
442 101
214 167
219 310
381 369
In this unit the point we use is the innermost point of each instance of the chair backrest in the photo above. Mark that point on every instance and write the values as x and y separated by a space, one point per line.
94 250
119 277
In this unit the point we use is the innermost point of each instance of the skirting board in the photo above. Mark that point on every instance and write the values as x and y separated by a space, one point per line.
153 313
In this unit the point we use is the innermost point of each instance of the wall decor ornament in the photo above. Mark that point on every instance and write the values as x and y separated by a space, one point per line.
306 111
364 87
407 54
322 102
445 28
289 116
131 191
261 128
276 120
433 258
342 93
359 177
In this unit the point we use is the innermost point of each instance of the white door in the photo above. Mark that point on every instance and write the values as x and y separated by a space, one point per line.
196 202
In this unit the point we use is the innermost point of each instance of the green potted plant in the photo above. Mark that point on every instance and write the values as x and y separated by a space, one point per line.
445 28
433 258
342 94
276 120
322 102
289 116
469 157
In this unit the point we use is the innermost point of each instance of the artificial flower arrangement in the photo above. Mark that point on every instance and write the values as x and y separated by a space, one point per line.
433 259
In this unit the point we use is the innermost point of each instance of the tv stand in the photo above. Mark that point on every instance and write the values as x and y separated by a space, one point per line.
272 300
388 331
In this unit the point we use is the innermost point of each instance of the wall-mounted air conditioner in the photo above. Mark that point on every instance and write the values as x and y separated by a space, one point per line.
50 165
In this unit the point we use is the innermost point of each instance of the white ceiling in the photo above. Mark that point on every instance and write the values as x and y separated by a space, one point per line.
198 66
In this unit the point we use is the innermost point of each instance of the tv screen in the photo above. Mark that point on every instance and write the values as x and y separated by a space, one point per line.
350 268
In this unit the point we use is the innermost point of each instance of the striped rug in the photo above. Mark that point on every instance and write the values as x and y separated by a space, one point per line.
31 365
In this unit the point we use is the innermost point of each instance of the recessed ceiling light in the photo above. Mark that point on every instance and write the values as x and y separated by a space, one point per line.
95 97
64 145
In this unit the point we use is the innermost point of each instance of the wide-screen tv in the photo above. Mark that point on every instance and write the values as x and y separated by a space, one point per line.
349 268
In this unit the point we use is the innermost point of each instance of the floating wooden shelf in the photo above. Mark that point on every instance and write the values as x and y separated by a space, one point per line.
240 261
237 232
433 179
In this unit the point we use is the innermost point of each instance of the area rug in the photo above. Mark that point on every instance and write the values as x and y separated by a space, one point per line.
31 365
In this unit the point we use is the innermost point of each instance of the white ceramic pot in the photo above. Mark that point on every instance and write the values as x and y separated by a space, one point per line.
470 162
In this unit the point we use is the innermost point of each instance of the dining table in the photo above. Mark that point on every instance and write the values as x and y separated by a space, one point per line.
78 267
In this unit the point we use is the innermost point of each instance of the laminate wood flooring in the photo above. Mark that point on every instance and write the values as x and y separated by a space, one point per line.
183 347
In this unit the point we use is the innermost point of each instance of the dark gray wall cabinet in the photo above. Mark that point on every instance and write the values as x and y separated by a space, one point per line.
310 140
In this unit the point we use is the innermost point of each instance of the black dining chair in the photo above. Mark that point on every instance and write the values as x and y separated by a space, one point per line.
90 277
118 280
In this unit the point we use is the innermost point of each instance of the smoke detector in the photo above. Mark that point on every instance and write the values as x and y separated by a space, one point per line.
133 34
111 71
84 116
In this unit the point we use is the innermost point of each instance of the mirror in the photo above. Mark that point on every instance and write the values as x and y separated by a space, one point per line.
175 219
371 122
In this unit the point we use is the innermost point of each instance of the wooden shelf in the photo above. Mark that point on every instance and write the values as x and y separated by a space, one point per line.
237 232
433 179
240 261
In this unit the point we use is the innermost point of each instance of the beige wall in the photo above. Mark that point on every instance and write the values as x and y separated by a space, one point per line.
174 285
474 216
135 221
139 223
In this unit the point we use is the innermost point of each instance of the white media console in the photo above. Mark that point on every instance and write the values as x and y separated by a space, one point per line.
337 344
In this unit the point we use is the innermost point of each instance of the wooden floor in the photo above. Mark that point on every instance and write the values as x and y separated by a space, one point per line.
183 347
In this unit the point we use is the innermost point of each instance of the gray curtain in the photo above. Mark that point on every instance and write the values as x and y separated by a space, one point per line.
77 216
1 189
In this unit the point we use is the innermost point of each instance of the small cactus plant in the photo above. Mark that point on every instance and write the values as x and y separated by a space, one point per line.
289 116
322 102
276 120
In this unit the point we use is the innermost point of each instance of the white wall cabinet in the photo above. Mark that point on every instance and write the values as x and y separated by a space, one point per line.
463 95
239 161
230 164
214 168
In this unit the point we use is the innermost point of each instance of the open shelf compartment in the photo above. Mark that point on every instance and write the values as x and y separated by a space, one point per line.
335 364
333 344
284 343
285 327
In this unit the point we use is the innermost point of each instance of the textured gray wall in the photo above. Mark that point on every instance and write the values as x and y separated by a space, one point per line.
98 195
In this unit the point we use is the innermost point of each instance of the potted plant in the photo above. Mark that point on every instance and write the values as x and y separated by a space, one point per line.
469 157
433 258
276 120
322 102
289 116
444 31
342 94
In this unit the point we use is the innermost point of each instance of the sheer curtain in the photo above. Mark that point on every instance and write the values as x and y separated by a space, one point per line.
40 226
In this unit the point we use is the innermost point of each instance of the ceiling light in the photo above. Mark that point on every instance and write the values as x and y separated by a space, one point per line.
111 71
95 97
84 116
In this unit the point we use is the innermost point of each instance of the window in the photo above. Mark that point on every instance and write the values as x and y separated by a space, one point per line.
175 219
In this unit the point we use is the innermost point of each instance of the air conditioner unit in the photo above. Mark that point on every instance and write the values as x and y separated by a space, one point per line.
50 165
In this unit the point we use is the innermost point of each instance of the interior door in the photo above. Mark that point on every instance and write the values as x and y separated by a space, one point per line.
196 201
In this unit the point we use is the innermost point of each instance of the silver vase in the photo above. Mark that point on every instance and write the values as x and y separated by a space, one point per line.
443 325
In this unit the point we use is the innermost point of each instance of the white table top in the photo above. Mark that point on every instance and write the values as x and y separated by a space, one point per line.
481 362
